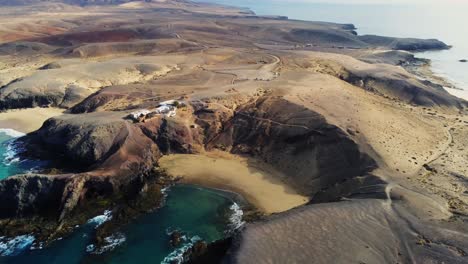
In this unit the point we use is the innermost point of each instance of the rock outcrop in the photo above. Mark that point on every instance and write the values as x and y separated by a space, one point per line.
408 44
383 79
26 196
74 80
295 140
83 140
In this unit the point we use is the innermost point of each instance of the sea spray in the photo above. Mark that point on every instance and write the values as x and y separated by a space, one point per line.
101 219
236 218
11 163
165 193
202 214
10 155
178 255
14 246
110 243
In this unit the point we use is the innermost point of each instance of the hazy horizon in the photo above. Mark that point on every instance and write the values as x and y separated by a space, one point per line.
412 18
430 2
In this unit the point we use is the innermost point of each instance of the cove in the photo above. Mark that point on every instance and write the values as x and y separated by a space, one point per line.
198 213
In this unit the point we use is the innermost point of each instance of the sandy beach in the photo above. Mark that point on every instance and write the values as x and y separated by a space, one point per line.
458 93
27 120
251 179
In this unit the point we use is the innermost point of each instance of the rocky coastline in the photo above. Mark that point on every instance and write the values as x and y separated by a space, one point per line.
258 93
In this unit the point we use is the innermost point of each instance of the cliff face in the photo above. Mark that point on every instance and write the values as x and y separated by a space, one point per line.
24 196
85 140
115 158
408 44
117 163
373 73
115 155
295 140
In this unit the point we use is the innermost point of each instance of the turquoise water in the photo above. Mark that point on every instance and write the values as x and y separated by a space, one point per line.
9 163
446 22
197 212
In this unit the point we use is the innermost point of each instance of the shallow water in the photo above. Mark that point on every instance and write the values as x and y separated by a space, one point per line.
9 163
446 22
197 212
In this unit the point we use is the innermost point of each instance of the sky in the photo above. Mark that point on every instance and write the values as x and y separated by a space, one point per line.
437 2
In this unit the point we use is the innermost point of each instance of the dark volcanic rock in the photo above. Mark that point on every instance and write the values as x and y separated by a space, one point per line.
388 81
23 196
214 253
50 206
85 139
15 96
345 37
393 57
175 238
409 44
295 140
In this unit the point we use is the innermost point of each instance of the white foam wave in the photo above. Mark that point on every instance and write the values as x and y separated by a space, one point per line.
11 154
101 219
11 132
14 246
177 256
235 220
111 242
37 247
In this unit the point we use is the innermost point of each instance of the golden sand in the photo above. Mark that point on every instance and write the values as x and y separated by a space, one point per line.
257 182
27 120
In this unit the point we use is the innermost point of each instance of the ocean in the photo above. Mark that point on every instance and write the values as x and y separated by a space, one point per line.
198 213
10 164
446 22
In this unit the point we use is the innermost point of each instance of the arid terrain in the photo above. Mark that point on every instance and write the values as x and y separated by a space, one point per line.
346 152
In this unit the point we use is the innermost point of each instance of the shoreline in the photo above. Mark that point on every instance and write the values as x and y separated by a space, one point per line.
422 69
12 132
460 93
27 120
251 180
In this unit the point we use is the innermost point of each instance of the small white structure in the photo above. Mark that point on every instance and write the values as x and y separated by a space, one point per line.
138 114
166 109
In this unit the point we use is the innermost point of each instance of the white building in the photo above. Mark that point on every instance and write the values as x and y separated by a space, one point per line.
138 114
166 110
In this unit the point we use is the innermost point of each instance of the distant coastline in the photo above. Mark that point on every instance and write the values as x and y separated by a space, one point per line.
396 21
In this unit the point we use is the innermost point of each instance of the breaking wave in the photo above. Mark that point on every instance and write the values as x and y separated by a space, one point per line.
110 243
14 246
101 219
177 256
11 132
236 218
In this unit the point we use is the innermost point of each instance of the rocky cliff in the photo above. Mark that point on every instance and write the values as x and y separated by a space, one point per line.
295 140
